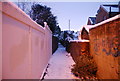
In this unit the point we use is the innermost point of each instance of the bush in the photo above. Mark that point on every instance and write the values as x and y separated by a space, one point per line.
85 67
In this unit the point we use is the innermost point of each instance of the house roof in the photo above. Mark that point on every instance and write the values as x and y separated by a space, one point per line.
87 27
111 7
93 20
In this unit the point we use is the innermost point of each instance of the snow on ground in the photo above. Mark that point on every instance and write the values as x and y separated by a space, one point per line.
60 65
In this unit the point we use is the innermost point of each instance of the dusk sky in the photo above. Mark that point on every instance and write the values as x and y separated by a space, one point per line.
76 12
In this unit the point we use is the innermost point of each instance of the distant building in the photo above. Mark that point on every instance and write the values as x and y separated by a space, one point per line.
84 32
107 11
91 21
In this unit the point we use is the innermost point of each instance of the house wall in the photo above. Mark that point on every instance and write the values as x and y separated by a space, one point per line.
26 46
102 15
105 48
112 14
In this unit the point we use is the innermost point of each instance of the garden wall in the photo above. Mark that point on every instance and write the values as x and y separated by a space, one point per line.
26 46
77 48
105 47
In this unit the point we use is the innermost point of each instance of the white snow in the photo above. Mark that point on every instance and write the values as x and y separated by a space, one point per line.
60 65
79 40
87 27
106 21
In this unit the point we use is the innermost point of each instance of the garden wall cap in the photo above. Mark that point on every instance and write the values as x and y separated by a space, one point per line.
79 41
106 21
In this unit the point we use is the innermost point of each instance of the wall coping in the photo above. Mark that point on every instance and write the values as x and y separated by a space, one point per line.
106 21
46 27
79 41
13 11
87 27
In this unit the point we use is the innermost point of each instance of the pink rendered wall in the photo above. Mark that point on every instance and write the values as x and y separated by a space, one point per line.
0 42
26 47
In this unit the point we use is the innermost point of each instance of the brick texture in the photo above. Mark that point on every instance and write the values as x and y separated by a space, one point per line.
105 48
78 48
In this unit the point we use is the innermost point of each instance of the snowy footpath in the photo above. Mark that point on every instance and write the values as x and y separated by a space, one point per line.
60 65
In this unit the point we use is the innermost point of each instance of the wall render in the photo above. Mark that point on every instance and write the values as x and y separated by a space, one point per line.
26 46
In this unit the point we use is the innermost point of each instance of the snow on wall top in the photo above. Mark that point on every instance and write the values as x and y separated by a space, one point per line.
106 21
12 10
79 41
87 27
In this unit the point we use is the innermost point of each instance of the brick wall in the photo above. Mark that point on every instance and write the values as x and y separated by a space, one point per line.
78 48
105 48
84 34
102 15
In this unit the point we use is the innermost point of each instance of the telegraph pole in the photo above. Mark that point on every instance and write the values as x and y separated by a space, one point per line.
69 24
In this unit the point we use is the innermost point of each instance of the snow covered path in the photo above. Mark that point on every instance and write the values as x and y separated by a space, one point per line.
60 65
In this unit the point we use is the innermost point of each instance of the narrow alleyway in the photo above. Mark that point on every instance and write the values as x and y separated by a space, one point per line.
60 65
